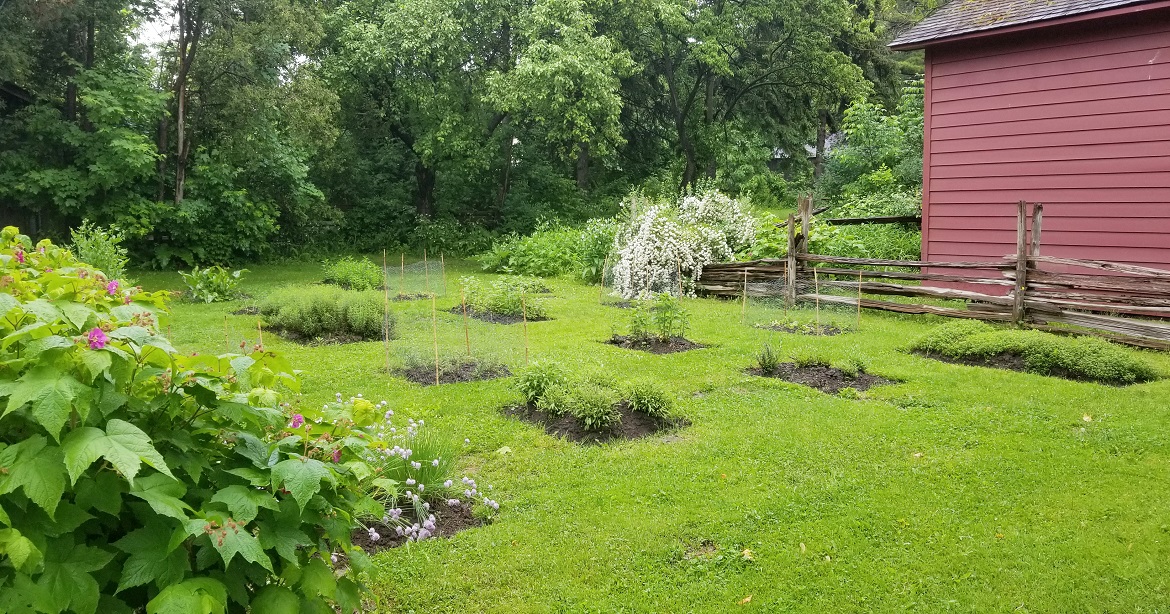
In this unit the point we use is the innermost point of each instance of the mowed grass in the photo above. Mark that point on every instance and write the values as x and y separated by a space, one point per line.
958 489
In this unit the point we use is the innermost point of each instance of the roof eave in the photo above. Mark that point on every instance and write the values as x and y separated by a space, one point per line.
1032 25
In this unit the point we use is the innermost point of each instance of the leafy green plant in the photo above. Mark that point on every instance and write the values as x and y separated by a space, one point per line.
212 284
506 296
769 360
649 398
535 380
595 407
318 312
661 317
208 496
554 250
102 248
419 367
1044 353
354 274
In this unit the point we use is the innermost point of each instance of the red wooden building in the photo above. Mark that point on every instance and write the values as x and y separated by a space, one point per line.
1064 102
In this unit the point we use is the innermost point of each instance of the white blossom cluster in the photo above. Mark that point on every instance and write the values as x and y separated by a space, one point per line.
666 238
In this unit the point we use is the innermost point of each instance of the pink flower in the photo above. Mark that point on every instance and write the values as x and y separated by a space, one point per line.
337 455
297 421
112 287
20 255
97 339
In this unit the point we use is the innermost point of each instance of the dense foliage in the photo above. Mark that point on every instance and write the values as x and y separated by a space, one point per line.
555 250
1044 353
506 296
354 274
212 284
206 498
212 131
324 312
592 400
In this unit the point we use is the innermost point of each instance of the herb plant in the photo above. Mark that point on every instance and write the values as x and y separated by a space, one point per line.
324 312
769 360
354 274
212 284
101 248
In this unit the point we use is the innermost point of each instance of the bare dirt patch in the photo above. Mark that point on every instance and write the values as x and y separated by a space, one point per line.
468 370
633 425
495 318
655 345
796 328
827 379
448 521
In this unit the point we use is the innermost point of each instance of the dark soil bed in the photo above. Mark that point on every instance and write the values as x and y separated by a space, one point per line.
1012 362
495 318
251 310
448 521
634 425
794 328
453 374
654 345
824 378
409 297
330 339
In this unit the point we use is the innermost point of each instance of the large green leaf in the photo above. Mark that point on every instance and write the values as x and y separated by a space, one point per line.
301 476
229 539
276 599
244 502
19 549
52 394
67 574
162 493
76 313
36 467
124 445
194 596
151 557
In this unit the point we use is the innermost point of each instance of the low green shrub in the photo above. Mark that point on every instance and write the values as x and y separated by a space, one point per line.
139 479
769 360
354 274
554 250
535 380
595 407
212 284
1085 358
650 399
506 296
101 248
661 317
321 311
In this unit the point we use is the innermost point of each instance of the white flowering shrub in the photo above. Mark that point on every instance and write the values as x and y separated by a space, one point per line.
665 238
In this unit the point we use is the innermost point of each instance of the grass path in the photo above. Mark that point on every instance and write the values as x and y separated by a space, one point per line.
960 489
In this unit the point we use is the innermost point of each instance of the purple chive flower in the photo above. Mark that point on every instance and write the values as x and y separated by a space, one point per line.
410 481
453 502
466 441
374 535
399 531
97 339
112 287
435 463
416 466
395 513
297 421
447 484
422 487
467 493
337 455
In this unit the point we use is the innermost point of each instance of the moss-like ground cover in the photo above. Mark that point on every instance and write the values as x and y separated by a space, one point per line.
960 489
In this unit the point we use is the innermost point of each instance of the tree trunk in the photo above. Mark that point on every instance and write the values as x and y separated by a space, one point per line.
424 195
582 166
190 29
709 101
88 60
819 160
691 170
163 151
506 157
70 109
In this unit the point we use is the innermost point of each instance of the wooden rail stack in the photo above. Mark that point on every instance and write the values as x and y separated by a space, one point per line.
1121 302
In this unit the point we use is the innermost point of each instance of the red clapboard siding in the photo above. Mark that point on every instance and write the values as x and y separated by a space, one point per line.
1074 116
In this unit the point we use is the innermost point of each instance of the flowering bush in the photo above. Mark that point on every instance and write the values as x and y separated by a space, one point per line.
667 237
206 497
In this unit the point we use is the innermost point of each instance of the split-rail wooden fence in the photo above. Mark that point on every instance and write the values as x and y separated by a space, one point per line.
1122 302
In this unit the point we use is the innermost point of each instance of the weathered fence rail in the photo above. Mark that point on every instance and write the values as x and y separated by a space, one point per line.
1122 302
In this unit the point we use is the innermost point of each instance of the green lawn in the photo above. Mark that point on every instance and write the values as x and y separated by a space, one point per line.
960 489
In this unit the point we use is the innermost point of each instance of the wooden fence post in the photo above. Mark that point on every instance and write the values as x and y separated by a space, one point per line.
1037 218
1021 262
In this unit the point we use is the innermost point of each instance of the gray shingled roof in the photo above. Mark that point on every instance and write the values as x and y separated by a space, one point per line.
966 16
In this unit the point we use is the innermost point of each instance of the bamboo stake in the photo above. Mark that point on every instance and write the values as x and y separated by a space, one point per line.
466 333
435 330
443 271
524 316
601 290
817 285
743 310
678 263
227 345
858 300
260 331
386 310
427 271
401 274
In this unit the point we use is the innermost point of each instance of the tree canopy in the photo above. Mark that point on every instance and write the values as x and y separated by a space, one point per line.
255 128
